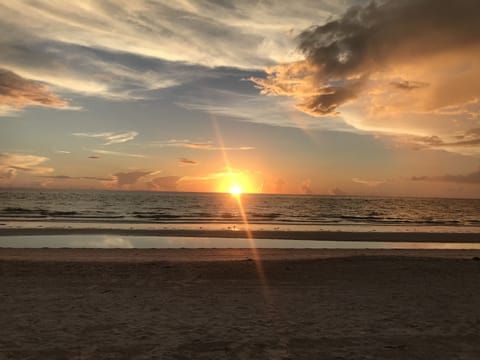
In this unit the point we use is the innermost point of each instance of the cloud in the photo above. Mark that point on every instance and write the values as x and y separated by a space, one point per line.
66 177
116 153
111 137
197 145
226 33
248 106
164 183
337 192
368 182
18 92
130 177
396 67
119 50
408 85
466 142
306 186
185 161
93 72
12 163
471 178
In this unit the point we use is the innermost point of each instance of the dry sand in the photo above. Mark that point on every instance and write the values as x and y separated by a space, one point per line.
221 304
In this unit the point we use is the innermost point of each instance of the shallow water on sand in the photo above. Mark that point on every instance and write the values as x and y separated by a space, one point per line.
130 242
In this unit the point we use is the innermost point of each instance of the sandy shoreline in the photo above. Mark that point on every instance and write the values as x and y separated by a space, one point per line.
257 234
221 304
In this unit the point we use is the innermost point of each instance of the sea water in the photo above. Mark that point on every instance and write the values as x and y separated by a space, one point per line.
153 210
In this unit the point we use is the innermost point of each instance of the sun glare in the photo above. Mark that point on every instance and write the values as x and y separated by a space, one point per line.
236 190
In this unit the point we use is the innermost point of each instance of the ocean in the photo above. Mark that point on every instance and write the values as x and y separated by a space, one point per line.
157 210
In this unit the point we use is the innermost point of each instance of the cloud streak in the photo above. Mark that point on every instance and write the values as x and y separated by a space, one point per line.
197 145
185 161
368 182
116 153
110 137
66 177
471 178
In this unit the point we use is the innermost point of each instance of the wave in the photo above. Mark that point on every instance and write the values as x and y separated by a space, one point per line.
145 208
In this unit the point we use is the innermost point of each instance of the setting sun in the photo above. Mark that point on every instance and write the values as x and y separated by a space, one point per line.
236 190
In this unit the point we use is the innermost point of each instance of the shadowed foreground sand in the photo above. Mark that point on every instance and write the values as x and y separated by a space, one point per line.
143 304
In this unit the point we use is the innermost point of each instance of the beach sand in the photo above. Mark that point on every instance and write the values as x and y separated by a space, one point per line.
226 304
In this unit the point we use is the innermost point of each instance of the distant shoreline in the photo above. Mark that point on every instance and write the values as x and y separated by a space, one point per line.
257 234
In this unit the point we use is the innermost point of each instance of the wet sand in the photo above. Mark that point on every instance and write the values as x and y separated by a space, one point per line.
387 236
226 304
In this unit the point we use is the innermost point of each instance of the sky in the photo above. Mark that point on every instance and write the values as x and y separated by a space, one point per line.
328 97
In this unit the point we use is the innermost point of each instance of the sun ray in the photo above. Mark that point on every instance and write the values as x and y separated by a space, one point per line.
237 190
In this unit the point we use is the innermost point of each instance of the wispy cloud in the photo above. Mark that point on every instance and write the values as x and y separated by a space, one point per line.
12 163
112 49
212 34
368 182
466 141
17 92
116 153
250 107
110 137
197 145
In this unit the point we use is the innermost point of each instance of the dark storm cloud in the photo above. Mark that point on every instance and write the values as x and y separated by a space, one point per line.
19 92
369 37
372 41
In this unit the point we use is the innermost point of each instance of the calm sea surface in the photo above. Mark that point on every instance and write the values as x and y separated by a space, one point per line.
117 209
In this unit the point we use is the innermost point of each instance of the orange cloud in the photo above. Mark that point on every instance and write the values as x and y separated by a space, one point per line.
12 163
18 92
